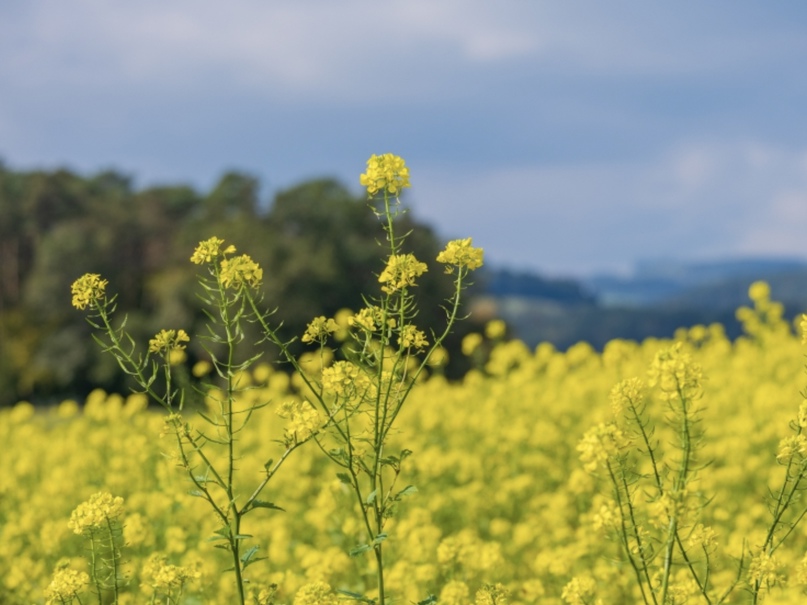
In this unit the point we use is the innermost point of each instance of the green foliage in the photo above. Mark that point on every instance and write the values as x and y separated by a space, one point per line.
317 242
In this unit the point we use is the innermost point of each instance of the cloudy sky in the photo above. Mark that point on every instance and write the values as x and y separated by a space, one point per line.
568 137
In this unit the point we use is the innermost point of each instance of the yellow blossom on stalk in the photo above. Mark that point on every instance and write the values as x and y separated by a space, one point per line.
386 172
303 418
703 536
460 253
66 585
315 593
319 329
676 373
208 250
626 394
162 576
599 444
791 446
401 272
579 591
491 594
370 319
96 512
411 337
763 569
167 341
344 377
86 289
240 270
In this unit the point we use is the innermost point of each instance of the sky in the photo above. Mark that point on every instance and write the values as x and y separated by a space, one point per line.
567 137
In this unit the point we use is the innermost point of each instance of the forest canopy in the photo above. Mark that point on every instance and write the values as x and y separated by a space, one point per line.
317 243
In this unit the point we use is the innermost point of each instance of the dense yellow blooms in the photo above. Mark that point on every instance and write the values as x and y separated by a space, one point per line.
240 271
401 272
162 577
66 585
460 253
168 341
209 250
412 338
387 173
96 512
498 461
86 289
303 420
319 329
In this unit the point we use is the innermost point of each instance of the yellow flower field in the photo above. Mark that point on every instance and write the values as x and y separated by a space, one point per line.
505 510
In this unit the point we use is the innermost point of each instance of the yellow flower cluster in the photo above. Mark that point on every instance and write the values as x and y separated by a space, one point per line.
162 577
765 569
401 272
166 341
65 586
386 173
319 329
627 394
315 593
370 319
412 338
460 253
209 250
87 289
240 271
599 444
96 512
502 494
344 378
580 591
304 420
676 373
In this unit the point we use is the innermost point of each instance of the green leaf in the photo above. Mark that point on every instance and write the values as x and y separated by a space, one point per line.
344 478
379 538
263 504
361 548
356 596
407 491
371 497
222 533
430 600
248 558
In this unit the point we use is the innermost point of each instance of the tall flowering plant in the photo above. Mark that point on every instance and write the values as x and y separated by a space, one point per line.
347 406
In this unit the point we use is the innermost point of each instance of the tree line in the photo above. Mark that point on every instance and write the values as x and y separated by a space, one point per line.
317 243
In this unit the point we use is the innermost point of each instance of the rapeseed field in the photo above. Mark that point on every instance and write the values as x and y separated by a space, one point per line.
667 471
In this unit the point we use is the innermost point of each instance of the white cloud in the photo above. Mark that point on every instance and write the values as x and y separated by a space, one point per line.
354 49
704 199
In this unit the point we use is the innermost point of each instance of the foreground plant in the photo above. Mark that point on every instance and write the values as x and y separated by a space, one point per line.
656 510
363 394
200 450
348 407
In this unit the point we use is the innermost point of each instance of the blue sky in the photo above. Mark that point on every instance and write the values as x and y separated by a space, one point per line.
566 137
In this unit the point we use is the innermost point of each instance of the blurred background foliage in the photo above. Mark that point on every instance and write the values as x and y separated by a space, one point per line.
318 244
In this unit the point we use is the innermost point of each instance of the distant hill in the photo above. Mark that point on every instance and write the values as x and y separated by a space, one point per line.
659 298
655 282
503 283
